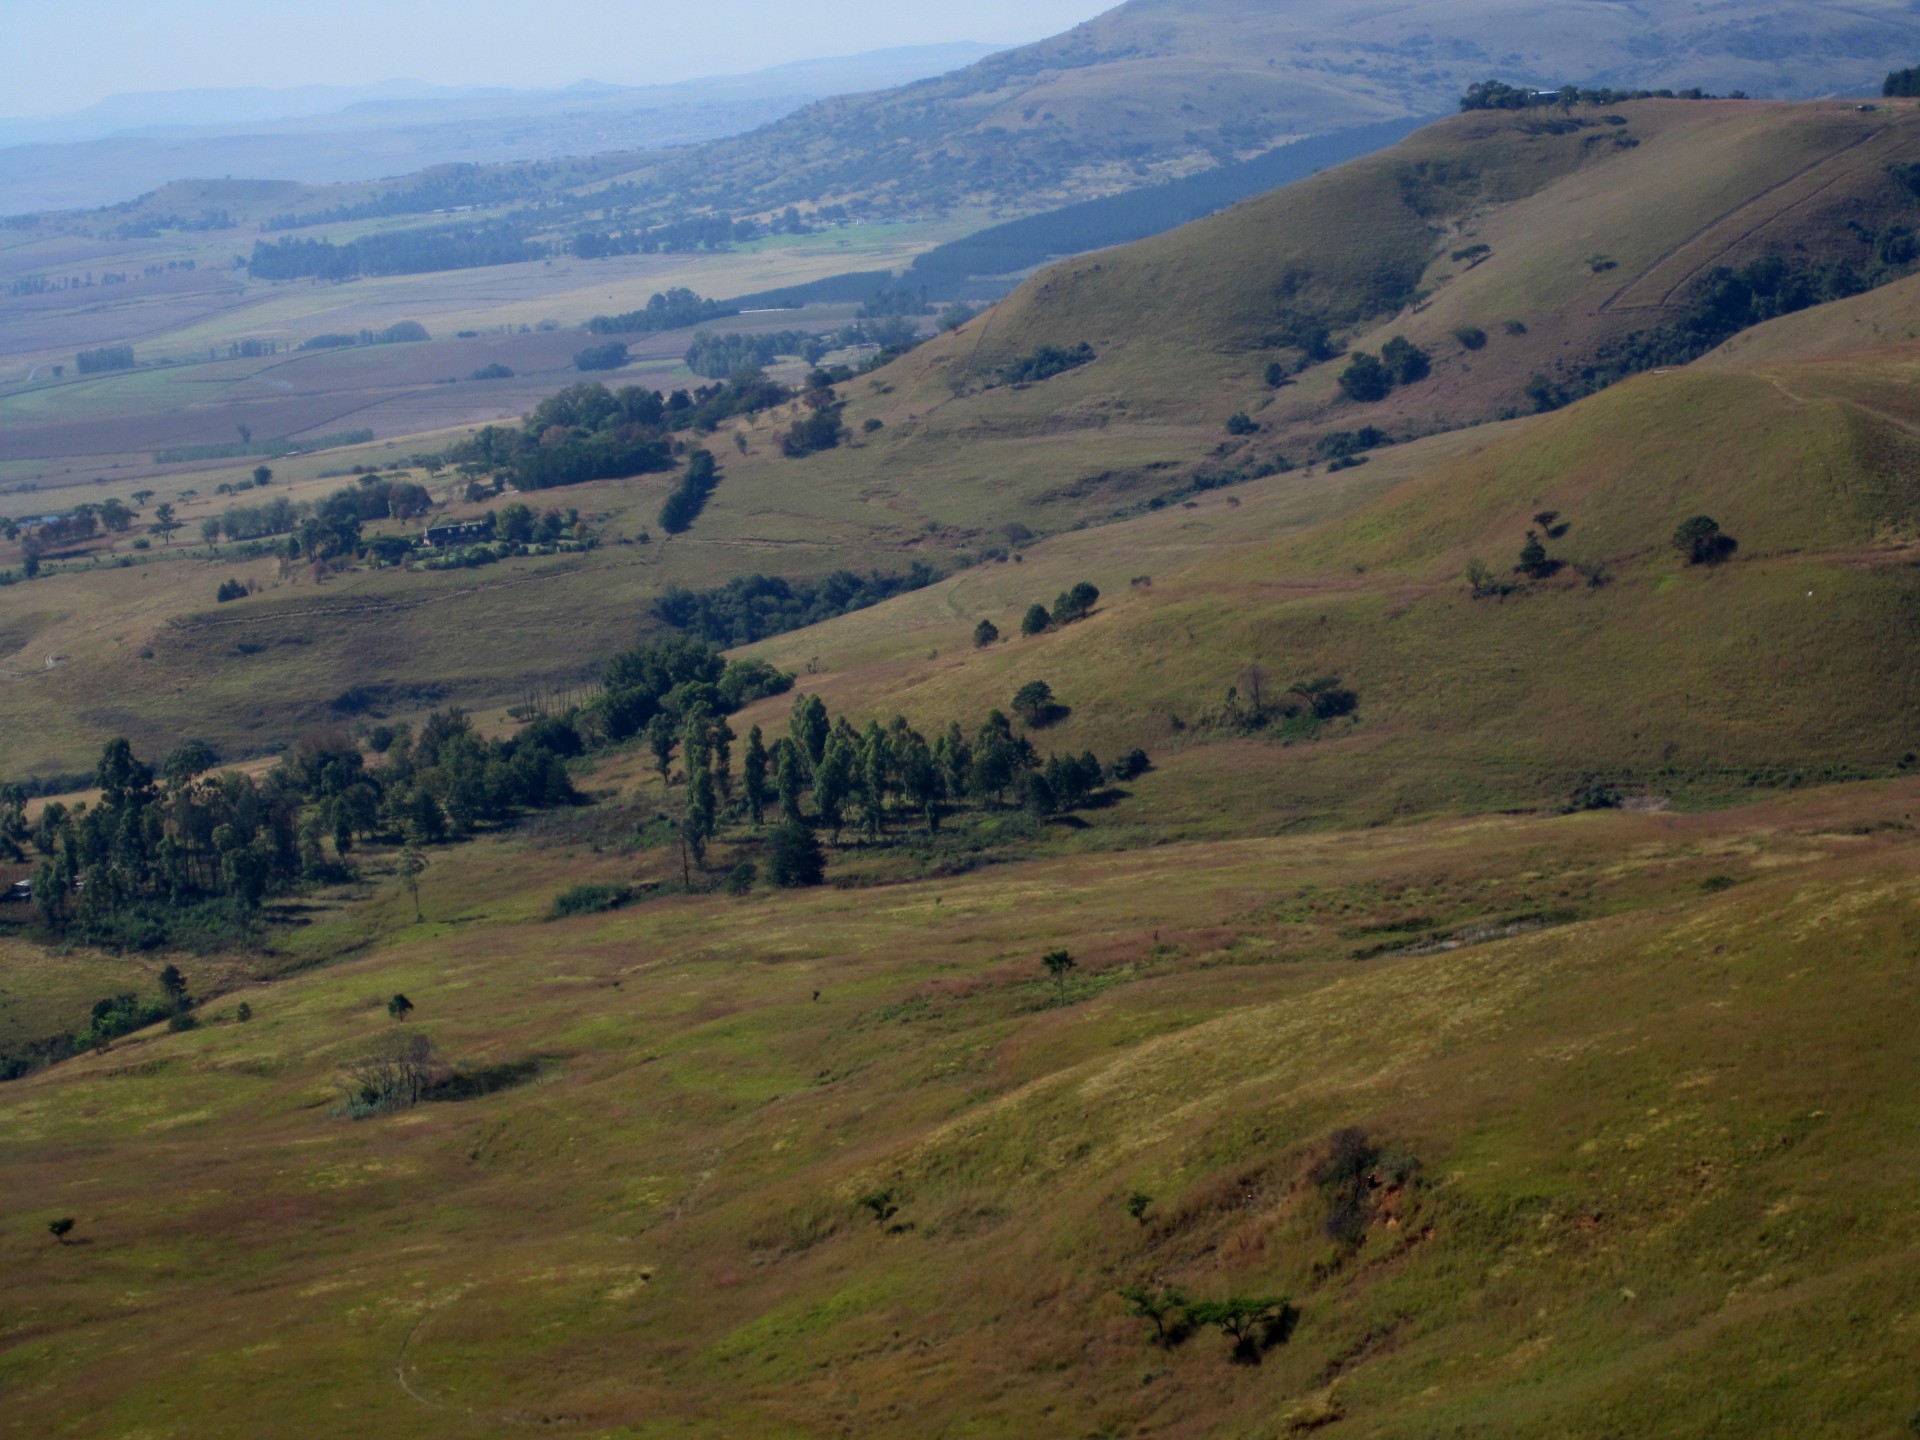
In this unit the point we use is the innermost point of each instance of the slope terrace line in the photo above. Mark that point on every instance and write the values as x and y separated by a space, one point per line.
1612 305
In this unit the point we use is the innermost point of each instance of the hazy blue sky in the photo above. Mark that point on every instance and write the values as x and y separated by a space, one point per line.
58 55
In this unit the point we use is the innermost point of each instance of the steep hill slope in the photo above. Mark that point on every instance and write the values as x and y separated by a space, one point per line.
1545 240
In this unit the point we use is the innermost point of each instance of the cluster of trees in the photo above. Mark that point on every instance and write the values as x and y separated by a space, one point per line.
1498 95
720 356
689 497
819 427
673 678
403 252
587 432
1371 377
405 332
183 853
79 524
674 309
824 775
610 356
676 237
1071 605
518 525
752 607
107 357
1043 364
327 528
1902 84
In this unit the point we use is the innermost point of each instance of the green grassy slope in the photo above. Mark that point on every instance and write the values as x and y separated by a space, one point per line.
1794 658
1659 1186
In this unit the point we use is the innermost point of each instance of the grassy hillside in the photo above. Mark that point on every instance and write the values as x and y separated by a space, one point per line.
1648 1180
1791 661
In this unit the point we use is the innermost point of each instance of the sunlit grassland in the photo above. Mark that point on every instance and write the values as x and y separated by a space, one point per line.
1657 1138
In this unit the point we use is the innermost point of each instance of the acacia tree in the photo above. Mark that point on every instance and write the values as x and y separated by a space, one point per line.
1162 1308
1247 1320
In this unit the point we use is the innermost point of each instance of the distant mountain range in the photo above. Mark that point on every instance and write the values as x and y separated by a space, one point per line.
1160 88
324 134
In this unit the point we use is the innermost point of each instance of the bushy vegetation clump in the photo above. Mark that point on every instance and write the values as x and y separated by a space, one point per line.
592 898
1044 363
752 607
673 309
588 432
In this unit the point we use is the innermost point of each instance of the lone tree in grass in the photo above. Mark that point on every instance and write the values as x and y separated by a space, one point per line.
1702 542
1033 702
1138 1203
1251 1322
1036 620
1058 963
399 1007
1162 1307
60 1228
165 522
412 866
174 986
986 633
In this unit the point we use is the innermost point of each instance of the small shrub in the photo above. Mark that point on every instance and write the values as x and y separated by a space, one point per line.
985 633
1241 423
244 1013
591 898
880 1203
740 880
181 1020
1131 765
1138 1204
1471 337
1702 542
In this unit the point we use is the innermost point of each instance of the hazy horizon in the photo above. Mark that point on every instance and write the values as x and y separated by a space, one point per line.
131 47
